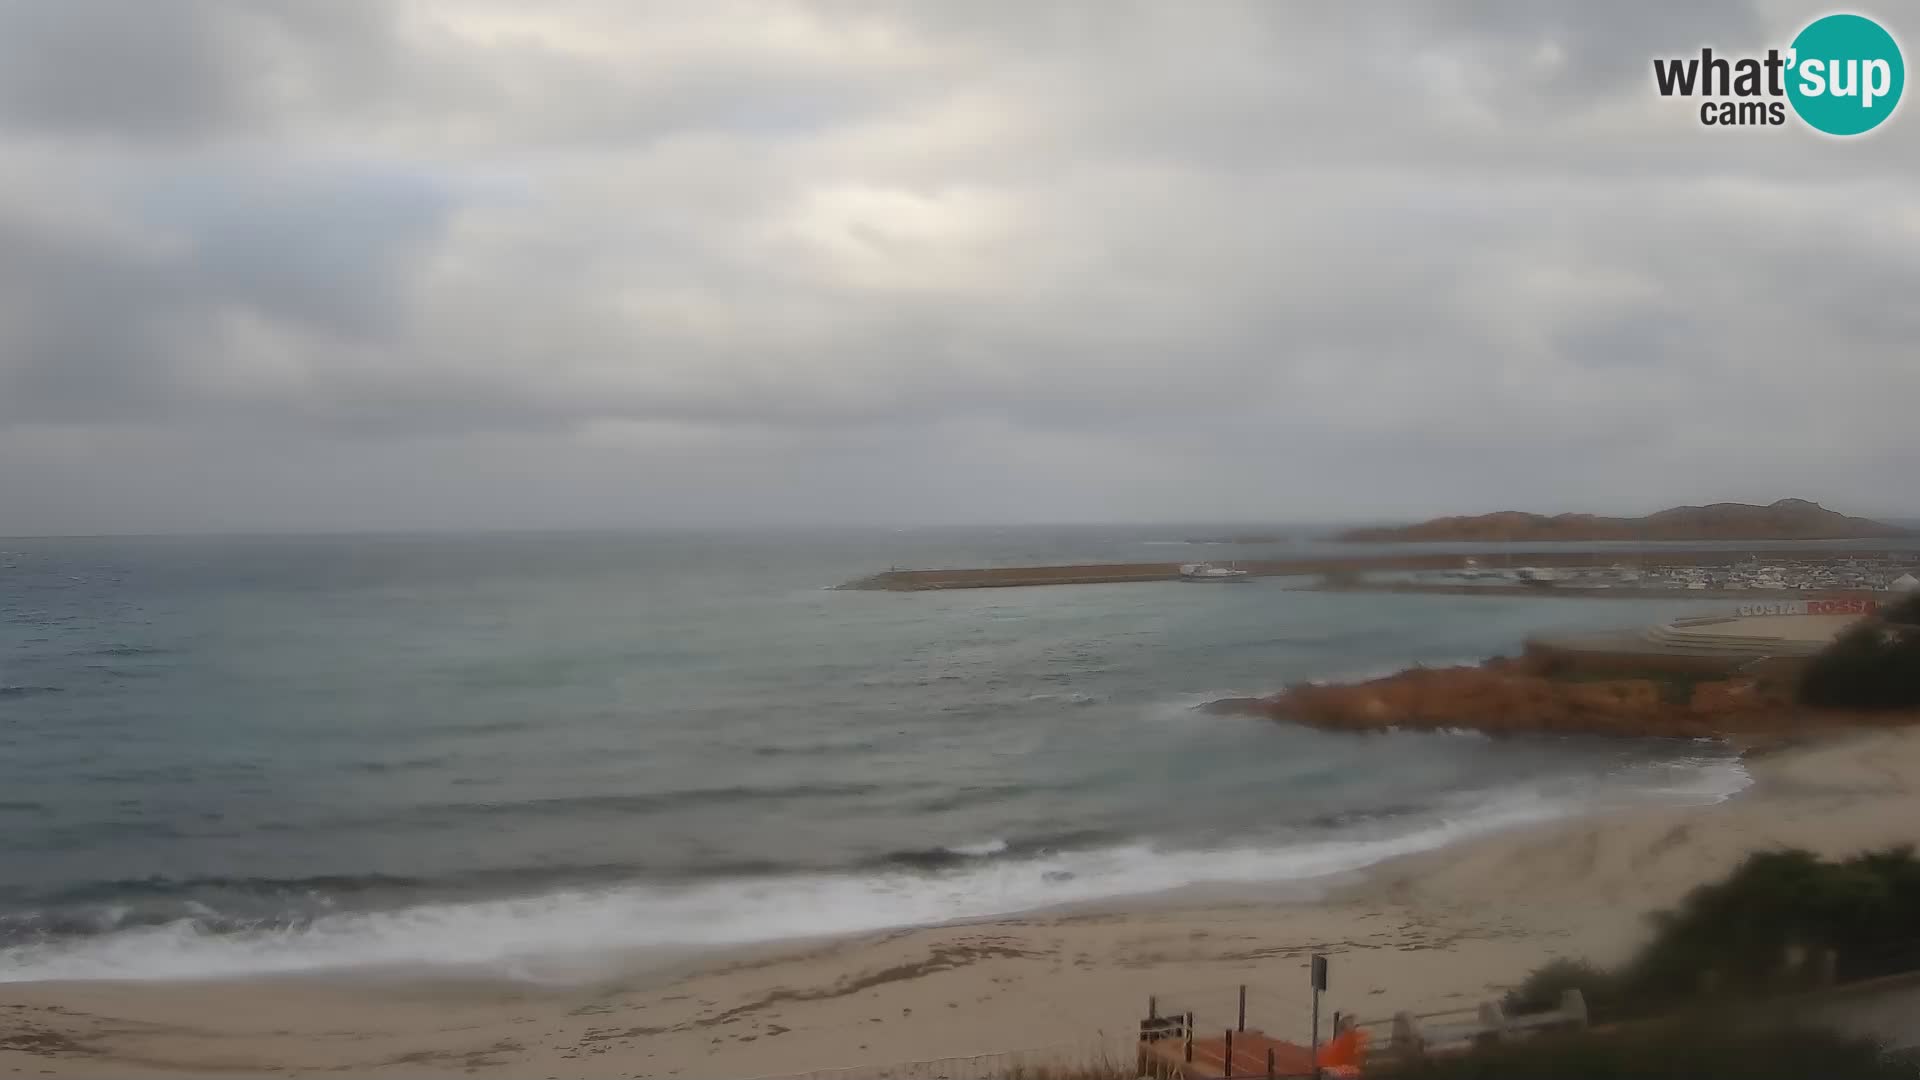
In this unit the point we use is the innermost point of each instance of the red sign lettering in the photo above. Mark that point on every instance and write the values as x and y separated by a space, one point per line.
1851 606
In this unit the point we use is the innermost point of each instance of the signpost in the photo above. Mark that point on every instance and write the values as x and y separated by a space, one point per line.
1319 970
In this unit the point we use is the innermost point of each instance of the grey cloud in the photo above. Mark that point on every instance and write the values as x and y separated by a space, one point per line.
1417 258
92 67
331 249
1600 48
173 70
85 331
99 328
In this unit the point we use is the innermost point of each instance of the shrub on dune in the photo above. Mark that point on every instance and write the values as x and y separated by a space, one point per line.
1737 934
1690 1050
1875 665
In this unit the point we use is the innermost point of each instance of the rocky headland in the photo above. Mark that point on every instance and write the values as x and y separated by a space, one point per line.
1506 696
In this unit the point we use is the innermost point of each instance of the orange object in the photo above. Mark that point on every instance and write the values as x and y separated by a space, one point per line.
1346 1050
1209 1059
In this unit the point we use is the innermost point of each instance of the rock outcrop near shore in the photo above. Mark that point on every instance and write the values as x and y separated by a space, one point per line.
1514 696
1787 519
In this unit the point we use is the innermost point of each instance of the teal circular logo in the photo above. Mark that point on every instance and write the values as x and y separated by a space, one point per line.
1846 74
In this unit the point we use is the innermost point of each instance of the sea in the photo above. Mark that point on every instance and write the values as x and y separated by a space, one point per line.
537 755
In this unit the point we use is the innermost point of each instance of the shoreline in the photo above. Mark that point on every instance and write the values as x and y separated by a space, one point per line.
1436 929
985 577
1122 875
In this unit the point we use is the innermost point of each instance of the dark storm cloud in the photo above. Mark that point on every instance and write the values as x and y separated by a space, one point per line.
183 69
1337 259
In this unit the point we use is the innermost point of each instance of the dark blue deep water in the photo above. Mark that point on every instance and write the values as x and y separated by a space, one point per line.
239 755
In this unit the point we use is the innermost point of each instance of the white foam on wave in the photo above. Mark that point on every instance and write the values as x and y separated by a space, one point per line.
512 936
565 930
1065 698
1381 671
1698 781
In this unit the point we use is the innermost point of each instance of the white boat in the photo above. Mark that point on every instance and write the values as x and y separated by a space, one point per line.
1200 571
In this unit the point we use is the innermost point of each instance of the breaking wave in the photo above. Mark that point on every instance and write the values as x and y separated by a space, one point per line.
516 935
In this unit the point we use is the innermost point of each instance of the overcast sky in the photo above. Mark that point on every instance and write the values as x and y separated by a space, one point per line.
488 263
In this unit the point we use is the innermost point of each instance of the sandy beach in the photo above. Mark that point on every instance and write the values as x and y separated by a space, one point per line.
1433 931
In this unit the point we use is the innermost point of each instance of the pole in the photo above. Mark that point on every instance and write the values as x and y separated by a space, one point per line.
1189 1038
1314 1061
1243 1008
1317 967
1269 1063
1153 1007
1227 1069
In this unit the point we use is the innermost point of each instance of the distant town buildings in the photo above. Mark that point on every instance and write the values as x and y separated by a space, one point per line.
1874 574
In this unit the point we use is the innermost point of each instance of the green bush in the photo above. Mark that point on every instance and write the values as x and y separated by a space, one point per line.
1542 990
1865 908
1694 1050
1742 927
1875 665
1905 612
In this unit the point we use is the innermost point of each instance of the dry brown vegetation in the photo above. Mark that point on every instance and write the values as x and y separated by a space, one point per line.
1513 696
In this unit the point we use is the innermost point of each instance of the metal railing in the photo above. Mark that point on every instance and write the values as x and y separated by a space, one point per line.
1409 1033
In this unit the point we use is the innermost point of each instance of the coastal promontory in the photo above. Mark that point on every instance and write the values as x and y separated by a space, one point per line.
1785 519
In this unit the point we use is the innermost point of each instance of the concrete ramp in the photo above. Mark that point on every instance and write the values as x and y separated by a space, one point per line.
1751 635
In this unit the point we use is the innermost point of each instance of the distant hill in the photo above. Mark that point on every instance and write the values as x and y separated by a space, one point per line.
1788 519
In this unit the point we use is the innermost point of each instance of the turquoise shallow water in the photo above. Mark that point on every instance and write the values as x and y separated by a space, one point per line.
238 755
